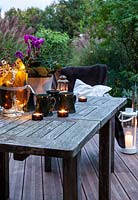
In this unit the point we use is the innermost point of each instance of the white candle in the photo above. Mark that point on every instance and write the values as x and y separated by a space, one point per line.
128 140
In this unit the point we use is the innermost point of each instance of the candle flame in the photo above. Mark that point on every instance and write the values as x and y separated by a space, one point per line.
63 111
37 114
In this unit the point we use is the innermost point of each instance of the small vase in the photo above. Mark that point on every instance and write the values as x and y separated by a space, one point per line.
40 84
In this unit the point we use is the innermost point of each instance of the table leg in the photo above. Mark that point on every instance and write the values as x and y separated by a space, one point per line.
72 178
47 164
112 142
4 176
105 162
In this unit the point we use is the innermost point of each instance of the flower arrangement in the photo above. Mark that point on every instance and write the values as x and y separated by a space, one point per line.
36 64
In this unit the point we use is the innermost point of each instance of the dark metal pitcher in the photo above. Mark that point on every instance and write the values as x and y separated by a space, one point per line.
55 94
67 101
45 104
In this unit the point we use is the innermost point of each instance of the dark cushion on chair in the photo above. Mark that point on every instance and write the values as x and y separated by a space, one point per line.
92 75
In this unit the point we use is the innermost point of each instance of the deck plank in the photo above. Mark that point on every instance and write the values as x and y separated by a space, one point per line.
89 178
125 174
33 179
16 178
52 184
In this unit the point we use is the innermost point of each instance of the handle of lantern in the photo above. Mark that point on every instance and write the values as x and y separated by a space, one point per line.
120 117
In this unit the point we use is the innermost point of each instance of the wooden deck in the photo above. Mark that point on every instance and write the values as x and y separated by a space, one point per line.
28 181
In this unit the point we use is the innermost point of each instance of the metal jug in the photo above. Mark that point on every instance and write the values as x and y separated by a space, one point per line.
55 94
67 101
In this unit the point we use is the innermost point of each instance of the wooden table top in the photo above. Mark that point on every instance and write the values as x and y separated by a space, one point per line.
54 136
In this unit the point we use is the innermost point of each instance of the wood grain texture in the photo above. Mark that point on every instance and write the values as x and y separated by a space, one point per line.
33 177
52 134
105 162
17 170
63 138
72 178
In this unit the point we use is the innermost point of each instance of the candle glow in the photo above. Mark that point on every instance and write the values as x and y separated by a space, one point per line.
62 113
82 99
37 116
128 140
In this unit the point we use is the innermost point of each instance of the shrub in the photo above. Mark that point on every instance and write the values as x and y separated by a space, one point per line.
56 46
11 37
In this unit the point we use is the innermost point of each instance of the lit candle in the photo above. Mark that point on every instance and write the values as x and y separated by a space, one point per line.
62 113
82 99
37 116
128 140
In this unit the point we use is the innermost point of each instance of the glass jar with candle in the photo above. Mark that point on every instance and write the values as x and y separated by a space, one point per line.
14 92
129 123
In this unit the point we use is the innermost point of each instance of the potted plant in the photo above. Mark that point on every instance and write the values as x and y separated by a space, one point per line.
39 71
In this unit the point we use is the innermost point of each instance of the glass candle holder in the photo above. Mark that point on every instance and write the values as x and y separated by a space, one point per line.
82 99
13 100
129 124
14 92
37 116
62 113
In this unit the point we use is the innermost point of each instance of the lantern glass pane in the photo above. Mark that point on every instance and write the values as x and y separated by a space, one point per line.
129 124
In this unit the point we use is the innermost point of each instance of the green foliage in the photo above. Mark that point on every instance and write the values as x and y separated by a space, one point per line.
31 17
68 16
113 29
11 37
55 48
65 16
118 20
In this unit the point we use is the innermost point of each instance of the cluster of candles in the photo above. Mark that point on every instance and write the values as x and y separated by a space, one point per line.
62 87
36 116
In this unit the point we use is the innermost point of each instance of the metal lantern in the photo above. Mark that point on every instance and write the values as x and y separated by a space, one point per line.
129 123
62 84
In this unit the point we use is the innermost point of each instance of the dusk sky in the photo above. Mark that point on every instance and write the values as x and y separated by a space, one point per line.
24 4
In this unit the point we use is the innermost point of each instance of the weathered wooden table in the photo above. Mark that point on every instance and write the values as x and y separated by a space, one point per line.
63 137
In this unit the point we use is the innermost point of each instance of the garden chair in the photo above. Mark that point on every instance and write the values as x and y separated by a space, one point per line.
91 75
